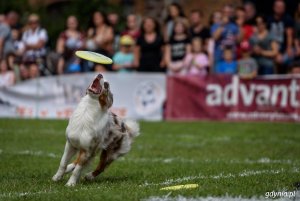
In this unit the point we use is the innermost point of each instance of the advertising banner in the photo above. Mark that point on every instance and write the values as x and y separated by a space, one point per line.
136 96
224 97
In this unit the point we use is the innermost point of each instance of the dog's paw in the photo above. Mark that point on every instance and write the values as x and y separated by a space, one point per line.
57 177
70 168
70 183
89 176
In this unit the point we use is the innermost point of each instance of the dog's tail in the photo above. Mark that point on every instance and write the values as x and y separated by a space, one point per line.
133 127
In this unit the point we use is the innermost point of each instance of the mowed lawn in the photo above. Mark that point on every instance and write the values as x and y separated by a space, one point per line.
224 159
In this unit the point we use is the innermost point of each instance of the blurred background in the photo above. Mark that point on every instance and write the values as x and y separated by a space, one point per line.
203 42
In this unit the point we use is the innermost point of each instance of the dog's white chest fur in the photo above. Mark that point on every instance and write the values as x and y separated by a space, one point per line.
87 124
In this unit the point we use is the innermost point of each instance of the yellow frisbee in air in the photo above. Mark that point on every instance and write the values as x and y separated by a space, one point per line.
94 57
179 187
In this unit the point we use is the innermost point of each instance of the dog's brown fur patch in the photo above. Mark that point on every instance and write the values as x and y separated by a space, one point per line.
76 161
103 100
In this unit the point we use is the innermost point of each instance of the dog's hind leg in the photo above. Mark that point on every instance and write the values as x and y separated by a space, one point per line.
104 162
68 154
106 158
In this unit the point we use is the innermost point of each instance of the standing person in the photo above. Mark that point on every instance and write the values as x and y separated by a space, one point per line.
6 40
174 12
250 13
228 11
100 38
2 18
245 30
132 27
100 35
215 19
15 59
282 27
149 48
196 62
265 47
297 32
177 47
225 35
68 42
35 39
113 20
198 29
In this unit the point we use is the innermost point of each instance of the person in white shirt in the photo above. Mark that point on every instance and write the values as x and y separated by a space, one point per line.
35 39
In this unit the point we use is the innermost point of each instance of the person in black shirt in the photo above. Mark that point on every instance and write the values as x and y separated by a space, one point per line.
174 12
250 12
177 47
148 50
198 29
281 27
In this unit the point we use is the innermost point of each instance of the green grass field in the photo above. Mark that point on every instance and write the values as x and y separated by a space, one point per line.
225 159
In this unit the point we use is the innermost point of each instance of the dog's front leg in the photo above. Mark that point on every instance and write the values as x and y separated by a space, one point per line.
68 154
83 159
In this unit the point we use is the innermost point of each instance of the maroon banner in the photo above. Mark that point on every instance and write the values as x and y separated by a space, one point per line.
224 97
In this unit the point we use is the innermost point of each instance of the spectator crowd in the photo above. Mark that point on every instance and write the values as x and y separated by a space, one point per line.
237 40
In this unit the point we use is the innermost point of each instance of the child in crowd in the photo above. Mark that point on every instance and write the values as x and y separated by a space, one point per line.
123 59
177 47
7 77
29 70
197 61
228 65
295 67
247 66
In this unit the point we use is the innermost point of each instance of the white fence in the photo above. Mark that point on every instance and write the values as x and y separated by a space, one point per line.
136 95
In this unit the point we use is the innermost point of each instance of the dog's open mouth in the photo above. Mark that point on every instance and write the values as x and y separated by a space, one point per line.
95 87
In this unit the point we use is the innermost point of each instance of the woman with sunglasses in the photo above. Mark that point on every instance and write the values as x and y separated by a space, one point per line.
34 39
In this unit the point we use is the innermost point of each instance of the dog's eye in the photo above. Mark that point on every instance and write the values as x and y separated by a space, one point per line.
106 85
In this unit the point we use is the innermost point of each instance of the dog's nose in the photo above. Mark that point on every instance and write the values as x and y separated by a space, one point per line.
106 85
100 76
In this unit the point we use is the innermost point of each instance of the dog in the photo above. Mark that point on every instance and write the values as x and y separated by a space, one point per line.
93 129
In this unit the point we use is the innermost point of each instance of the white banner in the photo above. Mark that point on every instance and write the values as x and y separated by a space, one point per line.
136 96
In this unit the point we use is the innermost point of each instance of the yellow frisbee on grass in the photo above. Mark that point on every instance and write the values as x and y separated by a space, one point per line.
179 187
94 57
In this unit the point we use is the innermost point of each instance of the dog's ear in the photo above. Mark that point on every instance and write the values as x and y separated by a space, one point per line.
106 85
110 99
106 99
